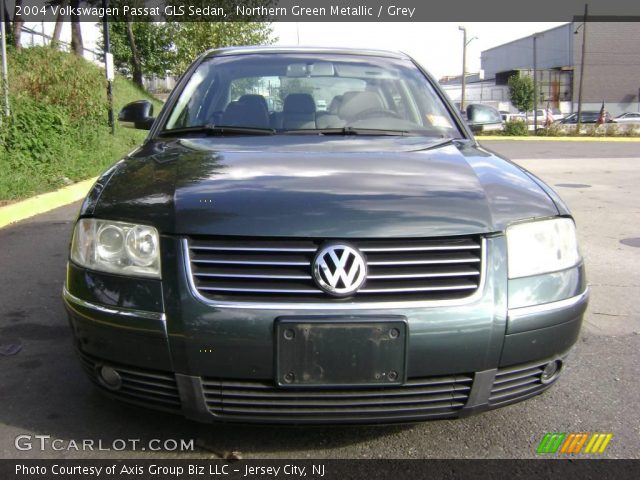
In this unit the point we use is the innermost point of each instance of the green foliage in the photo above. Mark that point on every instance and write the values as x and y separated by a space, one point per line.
58 126
57 78
172 46
515 128
554 130
194 38
521 92
154 42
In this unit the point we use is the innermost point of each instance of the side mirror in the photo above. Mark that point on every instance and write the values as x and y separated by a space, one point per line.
479 116
137 114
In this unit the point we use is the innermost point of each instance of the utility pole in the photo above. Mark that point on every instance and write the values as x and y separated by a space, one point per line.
535 84
5 78
465 42
464 66
584 44
108 65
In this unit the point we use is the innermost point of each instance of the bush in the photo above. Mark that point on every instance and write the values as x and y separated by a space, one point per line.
554 130
515 128
58 126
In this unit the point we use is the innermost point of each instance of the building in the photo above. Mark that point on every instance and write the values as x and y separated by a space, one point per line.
611 72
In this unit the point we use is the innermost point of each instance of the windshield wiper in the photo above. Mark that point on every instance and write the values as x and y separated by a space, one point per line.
441 143
218 130
348 131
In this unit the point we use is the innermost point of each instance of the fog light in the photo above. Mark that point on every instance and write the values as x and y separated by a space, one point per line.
551 371
109 377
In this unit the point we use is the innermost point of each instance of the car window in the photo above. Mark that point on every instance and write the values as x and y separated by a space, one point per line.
295 92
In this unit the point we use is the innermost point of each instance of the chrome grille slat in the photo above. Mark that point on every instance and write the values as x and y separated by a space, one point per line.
254 249
261 290
403 276
418 289
252 262
273 270
253 276
419 249
422 262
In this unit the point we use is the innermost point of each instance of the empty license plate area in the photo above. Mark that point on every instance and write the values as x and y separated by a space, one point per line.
339 352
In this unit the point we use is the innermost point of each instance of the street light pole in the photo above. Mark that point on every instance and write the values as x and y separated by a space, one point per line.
5 79
108 66
465 42
584 43
464 66
535 84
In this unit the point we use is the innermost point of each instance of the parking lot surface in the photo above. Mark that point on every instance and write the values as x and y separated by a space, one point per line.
44 392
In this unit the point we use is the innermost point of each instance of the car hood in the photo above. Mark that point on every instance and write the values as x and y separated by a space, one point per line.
317 187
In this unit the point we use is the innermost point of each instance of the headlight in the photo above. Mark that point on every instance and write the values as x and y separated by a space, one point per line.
116 247
542 247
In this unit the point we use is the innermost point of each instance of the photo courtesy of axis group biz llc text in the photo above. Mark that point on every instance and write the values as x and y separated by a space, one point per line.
284 239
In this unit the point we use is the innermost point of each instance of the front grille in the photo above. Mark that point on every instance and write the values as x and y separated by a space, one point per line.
515 383
416 399
225 268
145 387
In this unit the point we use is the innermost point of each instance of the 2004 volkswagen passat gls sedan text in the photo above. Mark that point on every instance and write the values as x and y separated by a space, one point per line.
262 259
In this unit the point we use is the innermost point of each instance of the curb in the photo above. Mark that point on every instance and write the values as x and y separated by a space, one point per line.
43 203
559 139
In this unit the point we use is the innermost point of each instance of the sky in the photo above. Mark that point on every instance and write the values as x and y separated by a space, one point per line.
436 46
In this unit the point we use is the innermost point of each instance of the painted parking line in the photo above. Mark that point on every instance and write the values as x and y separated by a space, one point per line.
43 203
481 138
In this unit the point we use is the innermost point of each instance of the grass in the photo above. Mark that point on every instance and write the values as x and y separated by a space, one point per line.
58 132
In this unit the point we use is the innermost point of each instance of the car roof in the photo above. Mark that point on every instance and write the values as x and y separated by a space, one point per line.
282 49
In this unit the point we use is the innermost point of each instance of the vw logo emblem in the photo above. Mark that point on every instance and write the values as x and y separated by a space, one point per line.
339 270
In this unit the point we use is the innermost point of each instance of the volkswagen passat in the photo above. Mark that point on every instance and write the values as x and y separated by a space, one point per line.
265 261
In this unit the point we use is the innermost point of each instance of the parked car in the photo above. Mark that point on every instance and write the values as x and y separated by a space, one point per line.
371 263
510 117
628 117
556 114
586 117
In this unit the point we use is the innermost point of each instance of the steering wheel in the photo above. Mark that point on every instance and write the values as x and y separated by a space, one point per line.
376 112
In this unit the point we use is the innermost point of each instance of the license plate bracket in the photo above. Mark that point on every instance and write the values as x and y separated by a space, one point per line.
341 351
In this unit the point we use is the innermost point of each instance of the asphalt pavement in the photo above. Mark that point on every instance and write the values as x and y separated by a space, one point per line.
44 392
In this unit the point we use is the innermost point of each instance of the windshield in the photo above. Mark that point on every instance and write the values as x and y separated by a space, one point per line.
309 93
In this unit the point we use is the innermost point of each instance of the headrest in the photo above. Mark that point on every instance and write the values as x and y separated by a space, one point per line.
254 100
299 103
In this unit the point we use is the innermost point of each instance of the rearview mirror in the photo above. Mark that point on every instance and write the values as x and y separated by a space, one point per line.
137 114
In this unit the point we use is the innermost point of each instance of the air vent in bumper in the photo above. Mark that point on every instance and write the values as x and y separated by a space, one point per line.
516 383
144 387
418 399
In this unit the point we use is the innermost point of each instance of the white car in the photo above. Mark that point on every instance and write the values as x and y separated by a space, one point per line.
628 117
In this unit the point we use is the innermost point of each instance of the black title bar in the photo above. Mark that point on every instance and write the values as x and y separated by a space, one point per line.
326 10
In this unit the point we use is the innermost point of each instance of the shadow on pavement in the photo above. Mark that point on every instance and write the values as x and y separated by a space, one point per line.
44 390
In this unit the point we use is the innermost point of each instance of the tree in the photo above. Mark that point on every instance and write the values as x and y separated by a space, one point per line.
521 92
193 38
77 45
153 43
135 56
18 22
57 30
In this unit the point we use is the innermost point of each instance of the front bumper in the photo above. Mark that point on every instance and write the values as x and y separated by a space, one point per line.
217 362
138 345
